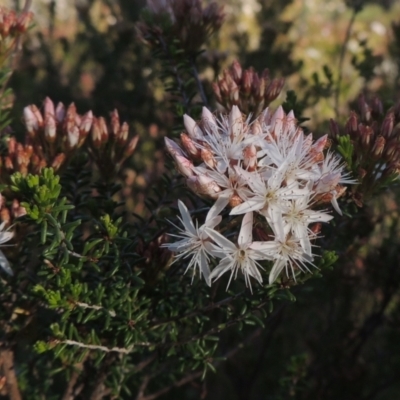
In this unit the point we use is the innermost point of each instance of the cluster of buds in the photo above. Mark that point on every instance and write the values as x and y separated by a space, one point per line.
247 89
12 25
185 20
375 145
52 137
268 167
110 145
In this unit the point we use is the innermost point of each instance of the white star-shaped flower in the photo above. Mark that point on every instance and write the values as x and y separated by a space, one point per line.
285 250
238 257
298 215
195 243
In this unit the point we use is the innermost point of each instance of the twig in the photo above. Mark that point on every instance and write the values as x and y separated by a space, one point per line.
70 392
7 361
92 307
341 59
186 379
121 350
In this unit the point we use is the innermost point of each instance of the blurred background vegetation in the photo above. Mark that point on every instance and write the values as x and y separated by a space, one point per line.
340 340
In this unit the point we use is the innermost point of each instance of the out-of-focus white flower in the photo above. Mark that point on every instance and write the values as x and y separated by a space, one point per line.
195 243
5 236
241 257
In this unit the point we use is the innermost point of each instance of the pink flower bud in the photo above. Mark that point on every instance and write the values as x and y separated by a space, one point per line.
38 115
203 186
49 121
96 133
115 124
256 128
123 134
235 122
86 124
58 161
378 146
192 128
236 72
208 120
103 130
60 112
131 146
208 158
184 166
277 122
250 157
173 148
73 137
217 92
30 120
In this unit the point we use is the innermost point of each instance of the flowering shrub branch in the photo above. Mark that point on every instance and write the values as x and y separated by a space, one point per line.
250 208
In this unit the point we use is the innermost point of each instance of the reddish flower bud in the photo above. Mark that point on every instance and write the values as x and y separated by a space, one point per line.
235 200
115 124
378 146
334 129
131 146
236 72
387 125
96 134
247 82
49 121
190 146
58 161
122 136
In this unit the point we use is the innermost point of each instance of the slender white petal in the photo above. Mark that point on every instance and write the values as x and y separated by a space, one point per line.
246 231
186 219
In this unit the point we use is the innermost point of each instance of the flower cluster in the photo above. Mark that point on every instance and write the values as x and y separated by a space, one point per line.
268 167
247 89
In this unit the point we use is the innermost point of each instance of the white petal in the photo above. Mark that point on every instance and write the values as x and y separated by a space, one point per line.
221 268
253 271
186 219
214 250
5 264
253 204
246 231
6 236
265 250
336 205
222 241
205 269
276 270
218 206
